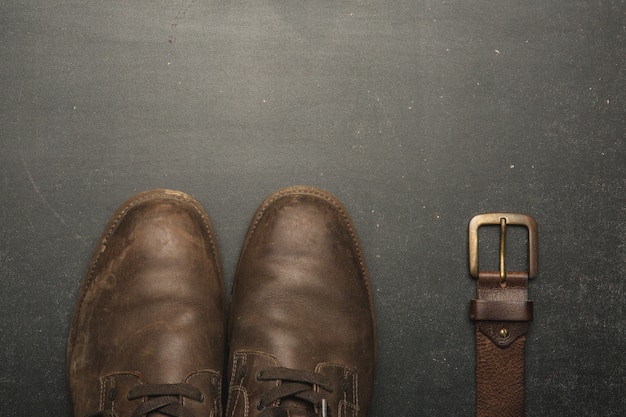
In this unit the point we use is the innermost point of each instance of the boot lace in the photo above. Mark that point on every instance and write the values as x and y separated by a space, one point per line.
295 384
163 398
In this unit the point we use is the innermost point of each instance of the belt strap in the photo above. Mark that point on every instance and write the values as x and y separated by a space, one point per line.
501 311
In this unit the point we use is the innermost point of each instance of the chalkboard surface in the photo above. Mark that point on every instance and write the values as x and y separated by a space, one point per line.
416 114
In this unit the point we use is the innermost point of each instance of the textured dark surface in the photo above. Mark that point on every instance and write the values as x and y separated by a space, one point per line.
416 114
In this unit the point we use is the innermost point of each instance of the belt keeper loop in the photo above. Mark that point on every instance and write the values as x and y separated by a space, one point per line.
486 310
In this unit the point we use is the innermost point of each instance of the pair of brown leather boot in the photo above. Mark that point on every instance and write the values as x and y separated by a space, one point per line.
148 333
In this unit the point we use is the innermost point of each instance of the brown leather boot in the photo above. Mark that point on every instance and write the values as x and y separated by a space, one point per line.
147 335
302 326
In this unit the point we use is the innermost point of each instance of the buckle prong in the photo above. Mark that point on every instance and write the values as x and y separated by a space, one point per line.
503 219
502 251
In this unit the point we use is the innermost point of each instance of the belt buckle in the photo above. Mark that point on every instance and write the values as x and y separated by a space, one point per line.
503 219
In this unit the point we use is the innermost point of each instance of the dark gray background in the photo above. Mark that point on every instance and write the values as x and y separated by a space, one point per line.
416 114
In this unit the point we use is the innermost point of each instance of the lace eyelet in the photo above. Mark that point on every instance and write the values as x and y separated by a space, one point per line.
259 405
258 375
112 394
344 385
201 397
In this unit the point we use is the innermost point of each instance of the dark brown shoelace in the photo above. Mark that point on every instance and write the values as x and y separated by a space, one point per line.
295 384
164 398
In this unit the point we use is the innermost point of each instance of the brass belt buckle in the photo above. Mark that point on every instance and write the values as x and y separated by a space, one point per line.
503 219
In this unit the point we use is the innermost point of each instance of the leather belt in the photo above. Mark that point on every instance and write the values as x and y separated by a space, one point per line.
501 311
